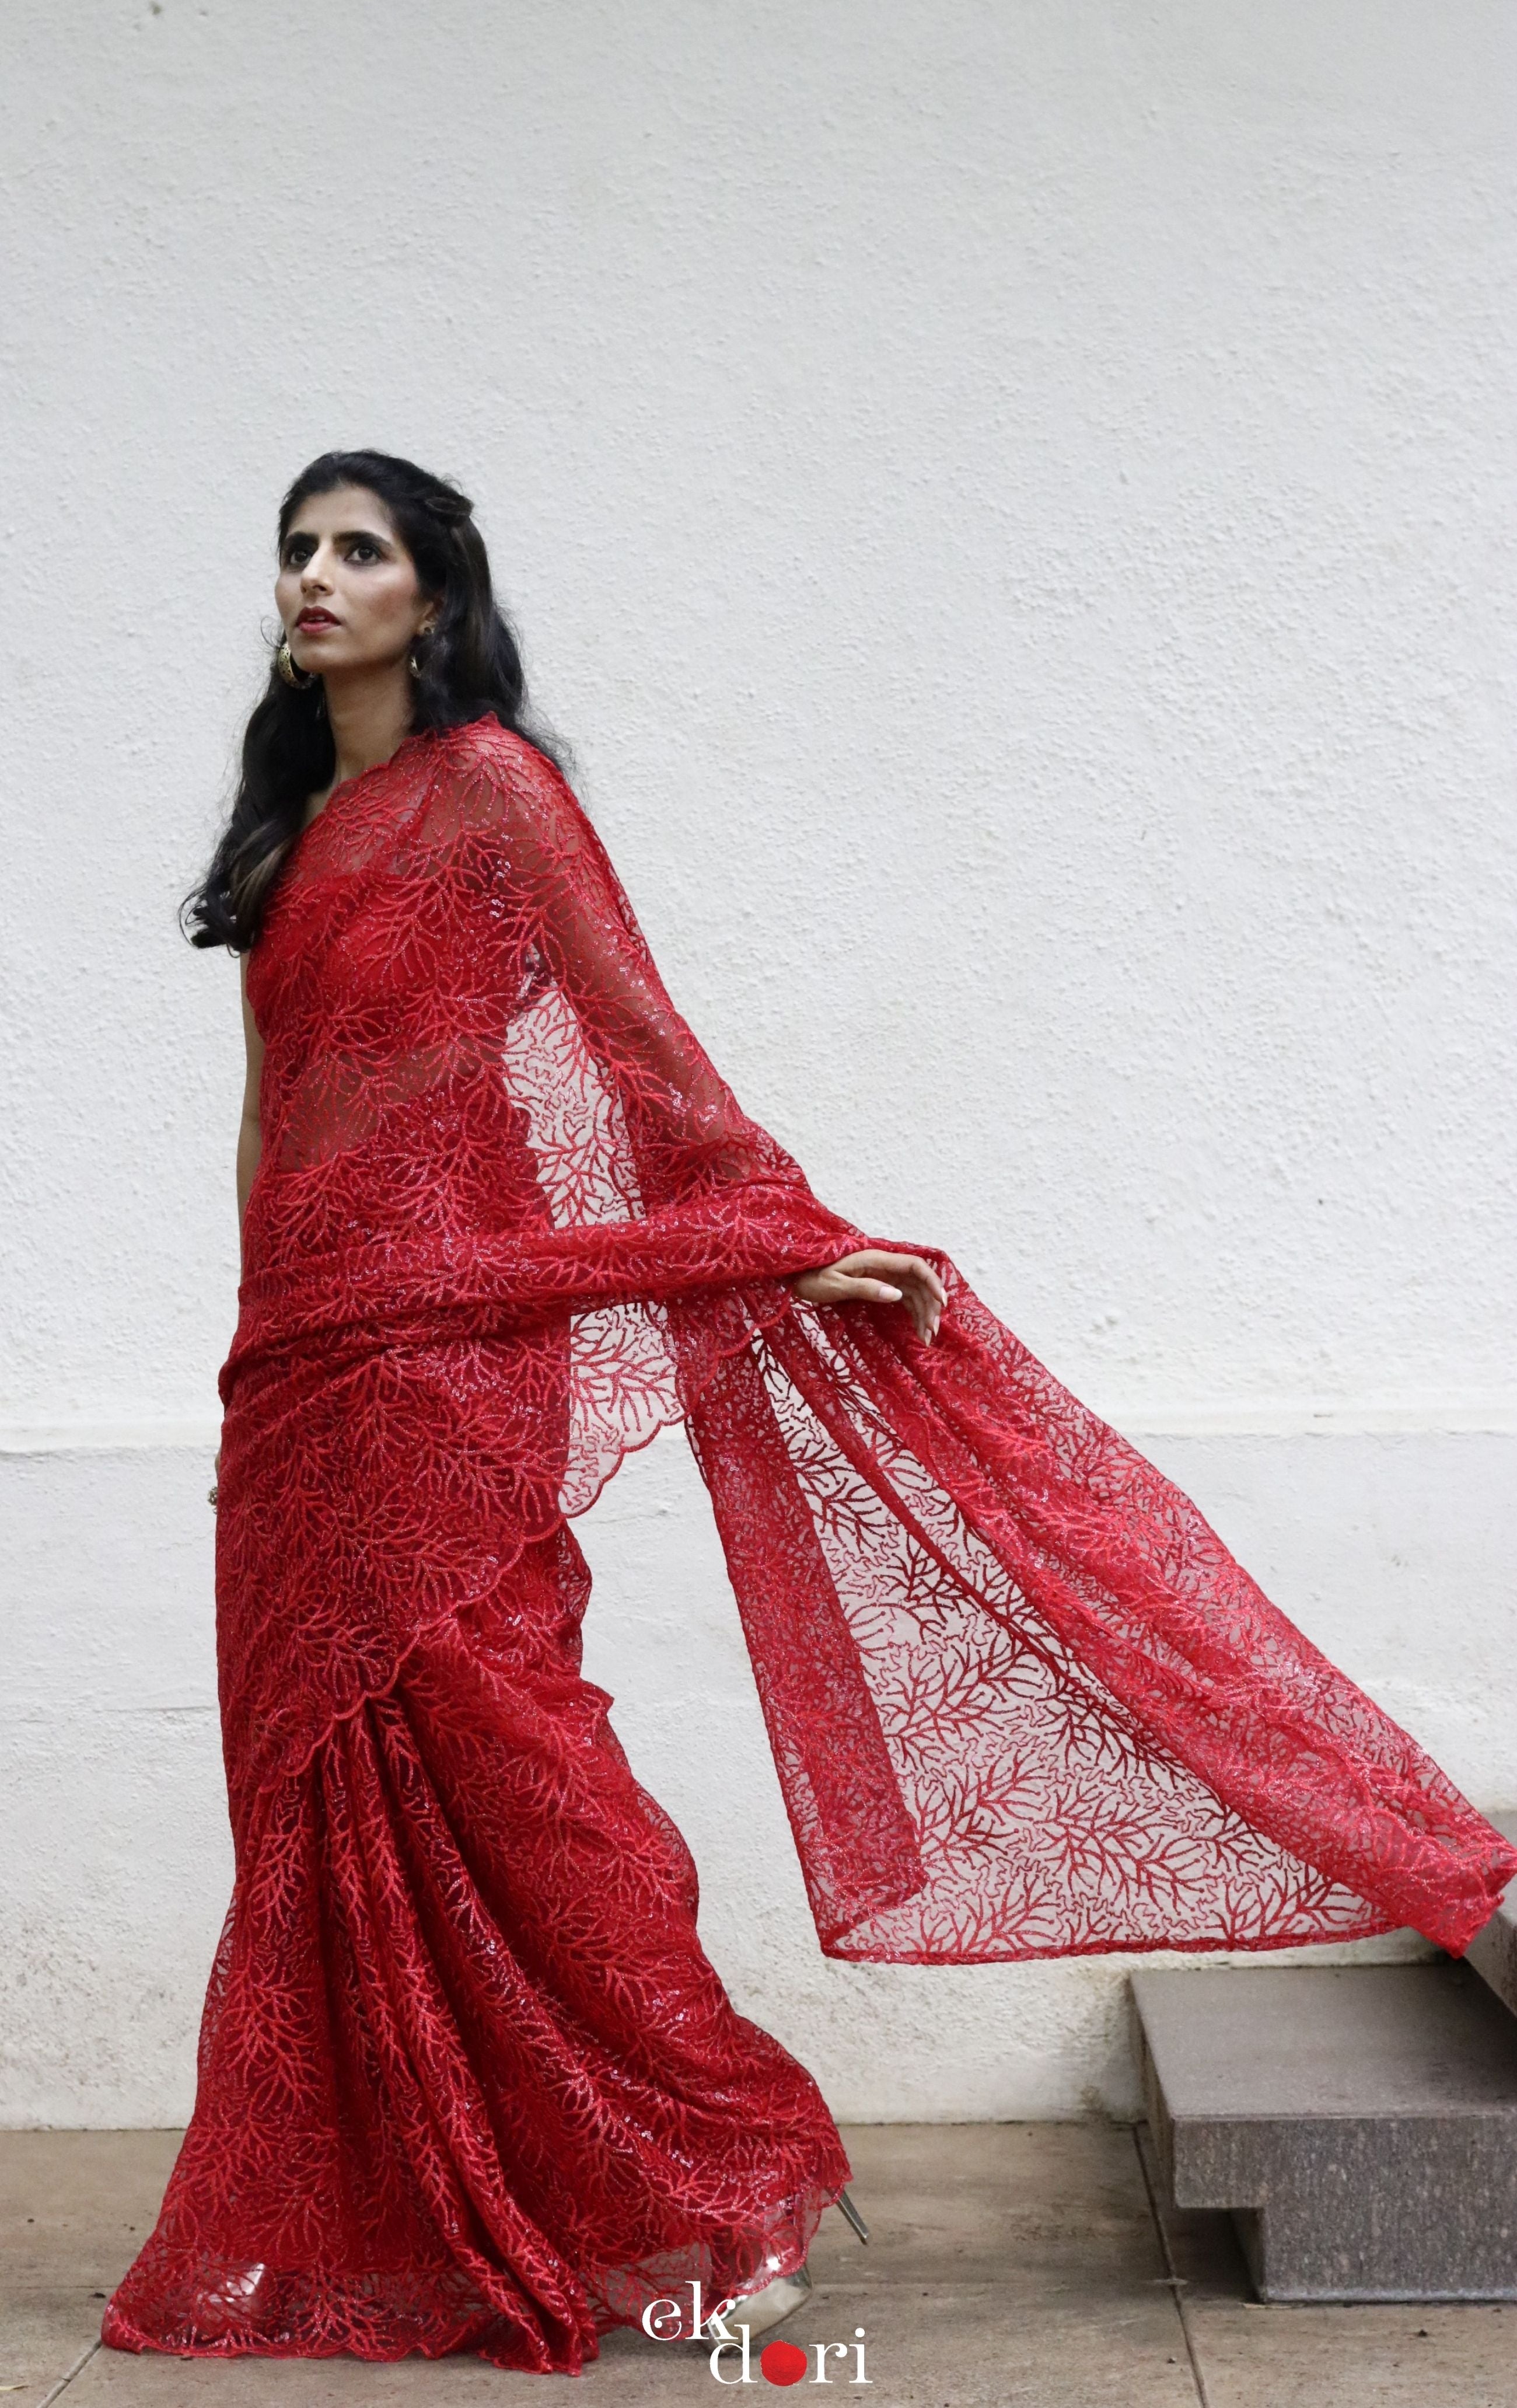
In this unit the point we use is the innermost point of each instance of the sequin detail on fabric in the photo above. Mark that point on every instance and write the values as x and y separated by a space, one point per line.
467 2080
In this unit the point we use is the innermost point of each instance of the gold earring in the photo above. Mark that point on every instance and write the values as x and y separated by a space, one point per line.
415 665
284 661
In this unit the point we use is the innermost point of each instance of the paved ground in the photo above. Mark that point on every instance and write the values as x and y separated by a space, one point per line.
1010 2263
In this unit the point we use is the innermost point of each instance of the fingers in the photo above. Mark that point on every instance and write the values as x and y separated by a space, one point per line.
921 1291
921 1301
857 1279
928 1277
914 1267
850 1287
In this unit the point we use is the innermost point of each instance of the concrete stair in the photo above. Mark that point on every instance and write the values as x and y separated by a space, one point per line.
1359 2122
1494 1951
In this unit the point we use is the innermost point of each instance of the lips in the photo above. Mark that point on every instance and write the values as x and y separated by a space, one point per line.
315 618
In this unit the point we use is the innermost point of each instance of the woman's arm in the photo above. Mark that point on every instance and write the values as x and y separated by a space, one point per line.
250 1136
250 1132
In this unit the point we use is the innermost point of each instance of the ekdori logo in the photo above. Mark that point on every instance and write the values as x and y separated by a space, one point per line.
782 2363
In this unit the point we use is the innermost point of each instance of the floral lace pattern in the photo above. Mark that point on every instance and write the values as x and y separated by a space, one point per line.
467 2080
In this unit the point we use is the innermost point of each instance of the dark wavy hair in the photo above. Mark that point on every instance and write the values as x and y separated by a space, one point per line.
470 667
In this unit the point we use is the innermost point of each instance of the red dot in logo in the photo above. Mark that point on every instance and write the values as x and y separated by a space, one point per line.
782 2362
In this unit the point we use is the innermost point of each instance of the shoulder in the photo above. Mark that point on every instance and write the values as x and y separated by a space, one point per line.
502 757
493 787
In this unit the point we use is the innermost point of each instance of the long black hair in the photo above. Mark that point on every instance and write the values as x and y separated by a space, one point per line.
470 666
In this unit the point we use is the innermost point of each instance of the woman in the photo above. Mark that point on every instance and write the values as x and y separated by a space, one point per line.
467 2080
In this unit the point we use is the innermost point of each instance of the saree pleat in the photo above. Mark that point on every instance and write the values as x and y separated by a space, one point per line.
467 2078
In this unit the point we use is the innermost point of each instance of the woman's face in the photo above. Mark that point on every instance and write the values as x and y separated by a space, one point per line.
346 589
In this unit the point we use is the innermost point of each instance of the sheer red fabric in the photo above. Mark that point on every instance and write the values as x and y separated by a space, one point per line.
466 2079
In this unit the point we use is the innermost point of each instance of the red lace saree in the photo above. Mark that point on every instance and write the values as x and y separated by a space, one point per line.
466 2080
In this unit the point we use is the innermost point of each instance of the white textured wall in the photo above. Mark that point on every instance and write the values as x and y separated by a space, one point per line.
1010 501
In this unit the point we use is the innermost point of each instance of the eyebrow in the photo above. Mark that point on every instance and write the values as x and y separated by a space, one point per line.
344 535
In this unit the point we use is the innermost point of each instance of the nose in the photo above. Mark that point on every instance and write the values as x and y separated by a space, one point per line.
316 575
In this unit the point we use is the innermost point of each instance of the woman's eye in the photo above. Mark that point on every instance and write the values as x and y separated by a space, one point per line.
296 554
362 550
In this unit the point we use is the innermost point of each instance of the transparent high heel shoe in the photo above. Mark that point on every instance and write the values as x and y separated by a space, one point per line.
762 2310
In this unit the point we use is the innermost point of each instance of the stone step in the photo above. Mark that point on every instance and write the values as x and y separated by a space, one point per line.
1359 2122
1494 1951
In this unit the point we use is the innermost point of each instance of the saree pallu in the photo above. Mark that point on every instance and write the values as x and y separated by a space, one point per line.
466 2079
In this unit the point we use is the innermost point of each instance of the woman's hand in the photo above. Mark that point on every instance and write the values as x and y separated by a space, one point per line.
874 1277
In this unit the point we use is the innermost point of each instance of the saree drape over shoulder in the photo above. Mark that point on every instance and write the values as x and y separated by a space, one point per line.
466 2080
